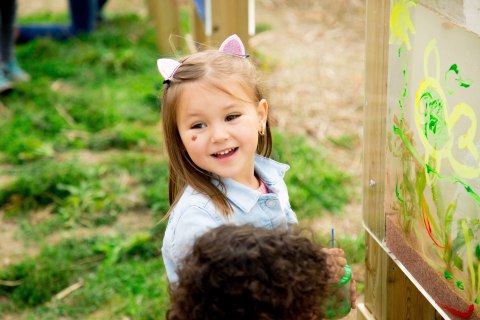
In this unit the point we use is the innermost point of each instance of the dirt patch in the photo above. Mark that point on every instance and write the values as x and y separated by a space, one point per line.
126 225
316 86
12 249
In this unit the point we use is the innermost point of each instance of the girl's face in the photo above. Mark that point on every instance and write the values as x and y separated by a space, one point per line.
220 130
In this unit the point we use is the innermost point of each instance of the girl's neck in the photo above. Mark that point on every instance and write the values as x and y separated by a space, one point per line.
254 183
258 182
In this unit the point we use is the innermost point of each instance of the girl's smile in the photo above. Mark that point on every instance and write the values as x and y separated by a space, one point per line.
219 129
225 154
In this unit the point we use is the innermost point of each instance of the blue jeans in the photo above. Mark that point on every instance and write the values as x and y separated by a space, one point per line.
84 15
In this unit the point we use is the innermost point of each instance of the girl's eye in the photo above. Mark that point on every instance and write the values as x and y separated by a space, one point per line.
232 117
199 126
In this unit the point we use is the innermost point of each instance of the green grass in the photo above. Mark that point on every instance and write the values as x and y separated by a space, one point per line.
65 106
80 146
345 141
119 278
315 185
47 274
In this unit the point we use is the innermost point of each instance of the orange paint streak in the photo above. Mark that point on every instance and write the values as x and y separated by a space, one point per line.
426 222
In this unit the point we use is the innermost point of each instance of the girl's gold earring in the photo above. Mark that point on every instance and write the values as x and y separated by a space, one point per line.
262 131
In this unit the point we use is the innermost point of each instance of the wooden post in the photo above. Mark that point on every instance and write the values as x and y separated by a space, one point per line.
197 28
229 17
164 15
375 114
374 157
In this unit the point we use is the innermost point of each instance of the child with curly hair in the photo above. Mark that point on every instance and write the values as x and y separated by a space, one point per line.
245 272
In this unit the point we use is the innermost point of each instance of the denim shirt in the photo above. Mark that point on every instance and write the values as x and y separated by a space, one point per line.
194 213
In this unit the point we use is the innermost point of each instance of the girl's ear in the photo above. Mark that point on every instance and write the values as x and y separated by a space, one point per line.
262 111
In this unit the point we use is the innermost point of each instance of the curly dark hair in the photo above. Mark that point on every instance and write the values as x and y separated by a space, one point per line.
245 272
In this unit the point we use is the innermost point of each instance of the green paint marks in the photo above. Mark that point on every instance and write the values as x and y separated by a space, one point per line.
421 191
430 169
458 262
469 189
468 243
458 283
397 194
403 98
475 196
455 72
435 126
407 143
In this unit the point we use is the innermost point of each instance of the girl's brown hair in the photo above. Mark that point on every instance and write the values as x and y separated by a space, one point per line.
214 68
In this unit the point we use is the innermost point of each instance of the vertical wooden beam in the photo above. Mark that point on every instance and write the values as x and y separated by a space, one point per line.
405 300
197 27
375 300
164 15
229 17
375 116
374 154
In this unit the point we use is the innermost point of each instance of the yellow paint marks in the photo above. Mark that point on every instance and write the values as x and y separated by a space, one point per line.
400 23
434 154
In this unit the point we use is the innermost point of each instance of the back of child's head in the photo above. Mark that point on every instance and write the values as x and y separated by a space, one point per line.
217 70
244 272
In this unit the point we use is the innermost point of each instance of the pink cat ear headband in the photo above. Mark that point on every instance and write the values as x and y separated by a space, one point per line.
232 45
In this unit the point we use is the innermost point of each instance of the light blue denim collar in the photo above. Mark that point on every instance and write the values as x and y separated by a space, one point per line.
270 171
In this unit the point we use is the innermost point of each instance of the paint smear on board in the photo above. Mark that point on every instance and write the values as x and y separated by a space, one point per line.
401 23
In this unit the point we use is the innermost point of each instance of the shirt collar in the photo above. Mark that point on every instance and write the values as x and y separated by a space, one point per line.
270 171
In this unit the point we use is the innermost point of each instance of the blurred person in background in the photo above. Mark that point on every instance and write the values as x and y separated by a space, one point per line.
10 71
84 16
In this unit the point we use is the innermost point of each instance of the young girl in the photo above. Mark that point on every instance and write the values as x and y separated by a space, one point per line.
217 135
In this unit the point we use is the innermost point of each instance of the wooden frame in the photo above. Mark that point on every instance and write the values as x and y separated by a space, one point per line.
166 23
391 292
223 18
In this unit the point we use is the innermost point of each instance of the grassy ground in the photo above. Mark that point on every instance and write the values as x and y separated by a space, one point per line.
83 179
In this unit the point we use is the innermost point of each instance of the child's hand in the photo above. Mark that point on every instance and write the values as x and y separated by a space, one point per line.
336 262
353 292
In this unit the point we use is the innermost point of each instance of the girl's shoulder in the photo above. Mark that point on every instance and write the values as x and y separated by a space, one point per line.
194 202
